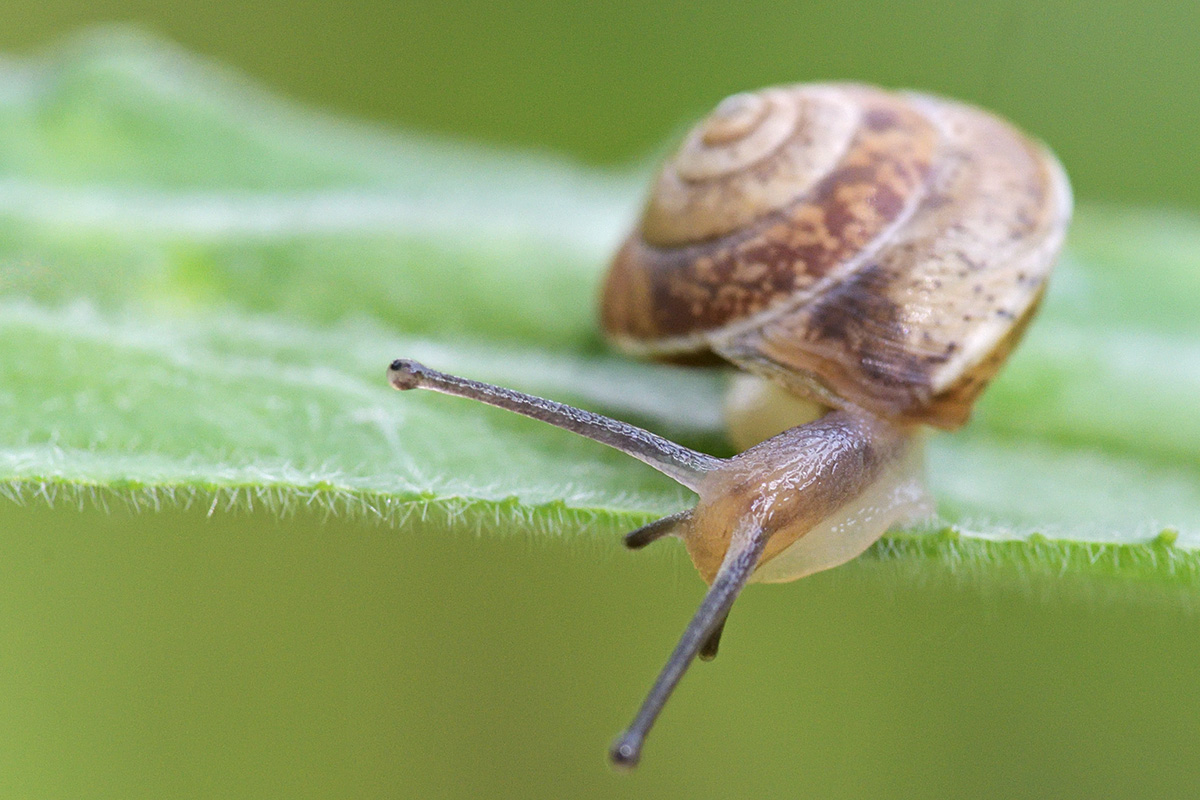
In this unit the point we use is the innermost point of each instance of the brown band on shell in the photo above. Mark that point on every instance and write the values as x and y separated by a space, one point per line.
917 332
700 287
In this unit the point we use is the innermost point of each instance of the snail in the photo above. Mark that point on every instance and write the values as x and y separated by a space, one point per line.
868 255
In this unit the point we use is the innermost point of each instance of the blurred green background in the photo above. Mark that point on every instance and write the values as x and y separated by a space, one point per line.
1111 85
176 655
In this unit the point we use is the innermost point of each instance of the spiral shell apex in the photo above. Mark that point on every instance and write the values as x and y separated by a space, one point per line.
865 248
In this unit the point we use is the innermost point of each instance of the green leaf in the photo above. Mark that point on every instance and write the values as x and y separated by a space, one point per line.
201 286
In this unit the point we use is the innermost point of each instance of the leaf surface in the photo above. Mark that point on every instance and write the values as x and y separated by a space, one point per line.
201 286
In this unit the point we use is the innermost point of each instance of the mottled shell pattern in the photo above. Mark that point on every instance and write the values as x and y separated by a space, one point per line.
861 247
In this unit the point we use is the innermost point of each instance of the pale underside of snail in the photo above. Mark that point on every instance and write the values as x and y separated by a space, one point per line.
870 256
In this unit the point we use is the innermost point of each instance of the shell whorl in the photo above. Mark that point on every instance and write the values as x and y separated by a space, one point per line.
862 247
754 154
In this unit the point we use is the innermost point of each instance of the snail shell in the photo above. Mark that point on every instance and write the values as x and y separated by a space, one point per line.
864 248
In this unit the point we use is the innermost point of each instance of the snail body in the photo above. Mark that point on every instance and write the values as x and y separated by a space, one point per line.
872 256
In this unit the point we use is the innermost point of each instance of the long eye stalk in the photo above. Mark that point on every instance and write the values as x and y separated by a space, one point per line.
688 467
740 561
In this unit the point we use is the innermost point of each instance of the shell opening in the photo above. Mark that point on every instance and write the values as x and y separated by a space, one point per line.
757 409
